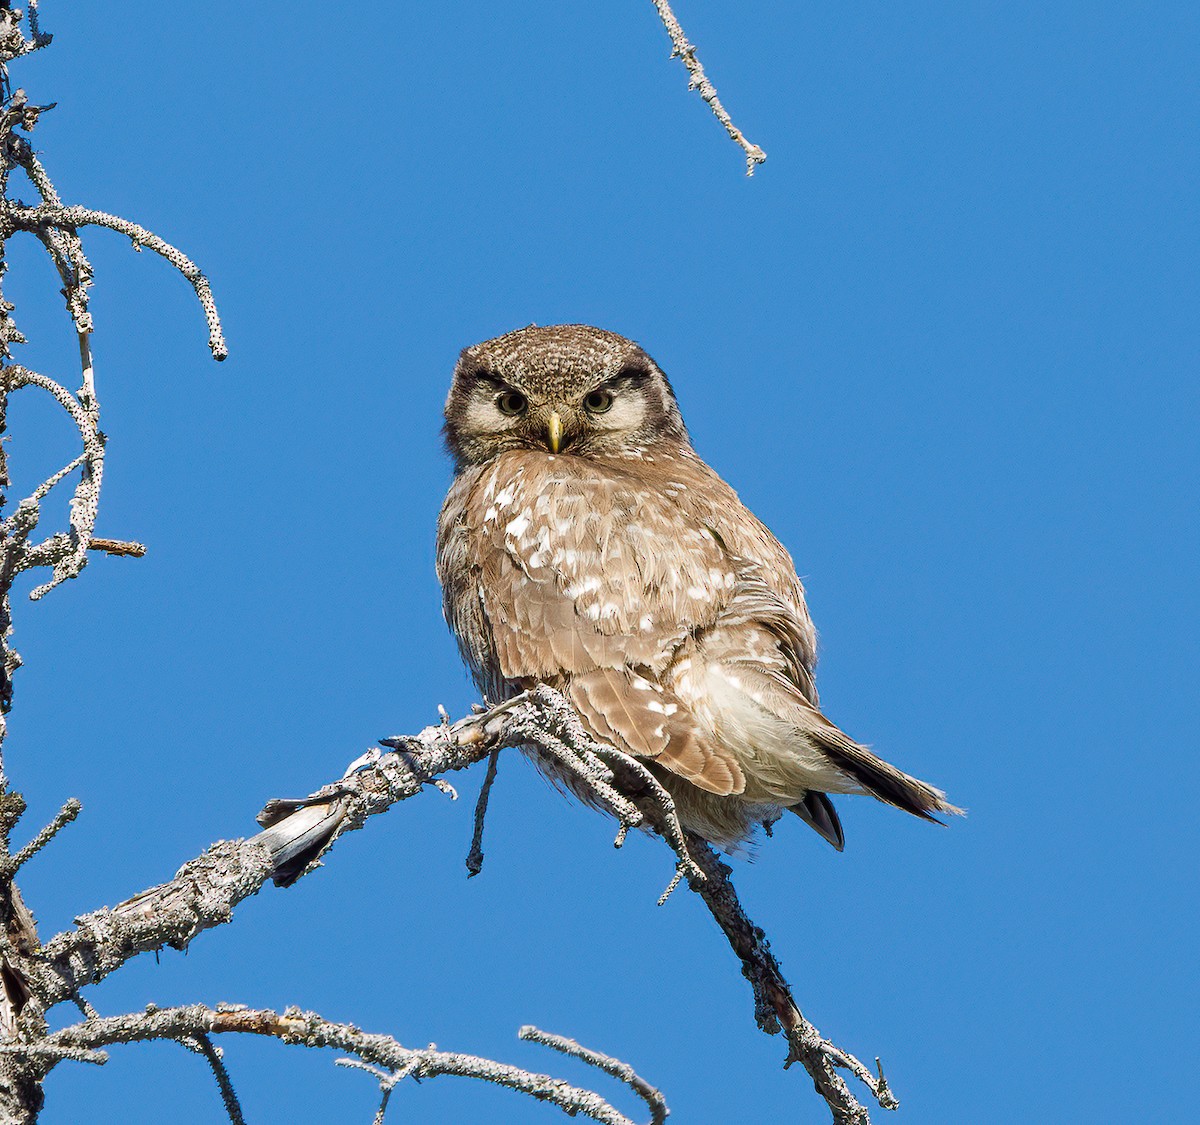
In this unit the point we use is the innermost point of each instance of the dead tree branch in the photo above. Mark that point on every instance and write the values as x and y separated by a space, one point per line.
298 833
47 217
699 81
307 1029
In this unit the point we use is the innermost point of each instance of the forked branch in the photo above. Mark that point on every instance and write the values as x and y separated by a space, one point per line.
83 1041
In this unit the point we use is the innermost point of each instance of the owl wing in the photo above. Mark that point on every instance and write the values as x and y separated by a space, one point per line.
764 647
590 578
766 588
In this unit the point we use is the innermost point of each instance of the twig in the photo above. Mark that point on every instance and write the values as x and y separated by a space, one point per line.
88 1012
475 855
387 1080
65 553
775 1010
651 1095
698 80
229 1096
70 810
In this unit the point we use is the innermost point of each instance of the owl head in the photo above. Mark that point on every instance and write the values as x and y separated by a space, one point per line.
566 388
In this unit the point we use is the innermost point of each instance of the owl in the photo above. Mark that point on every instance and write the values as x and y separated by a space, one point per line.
585 545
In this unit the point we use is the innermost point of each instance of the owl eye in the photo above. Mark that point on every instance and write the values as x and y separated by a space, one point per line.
598 402
511 403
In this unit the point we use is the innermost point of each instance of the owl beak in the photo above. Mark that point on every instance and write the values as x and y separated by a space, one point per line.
554 431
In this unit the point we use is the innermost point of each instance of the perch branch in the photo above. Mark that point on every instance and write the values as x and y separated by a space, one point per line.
297 833
698 80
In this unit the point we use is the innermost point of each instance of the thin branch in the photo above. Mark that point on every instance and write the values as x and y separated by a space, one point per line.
64 816
775 1010
46 215
387 1080
311 1030
475 855
88 1012
65 553
66 251
651 1095
698 80
43 490
229 1096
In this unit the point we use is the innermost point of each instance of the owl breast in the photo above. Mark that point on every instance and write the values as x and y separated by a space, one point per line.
653 600
554 566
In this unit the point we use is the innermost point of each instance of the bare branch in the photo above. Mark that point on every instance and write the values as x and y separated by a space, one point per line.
66 251
64 816
45 216
298 833
698 80
229 1098
65 553
649 1094
388 1080
311 1030
775 1010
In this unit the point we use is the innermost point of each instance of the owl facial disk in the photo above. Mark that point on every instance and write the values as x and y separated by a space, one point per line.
564 389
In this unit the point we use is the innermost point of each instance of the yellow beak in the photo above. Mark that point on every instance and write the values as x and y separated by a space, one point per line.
554 431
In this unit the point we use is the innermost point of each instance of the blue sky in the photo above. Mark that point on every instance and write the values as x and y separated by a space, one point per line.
944 343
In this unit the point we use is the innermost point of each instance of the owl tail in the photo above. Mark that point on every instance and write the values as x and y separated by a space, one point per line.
880 778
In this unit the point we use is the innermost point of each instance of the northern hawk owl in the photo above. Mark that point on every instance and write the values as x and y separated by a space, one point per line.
585 545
